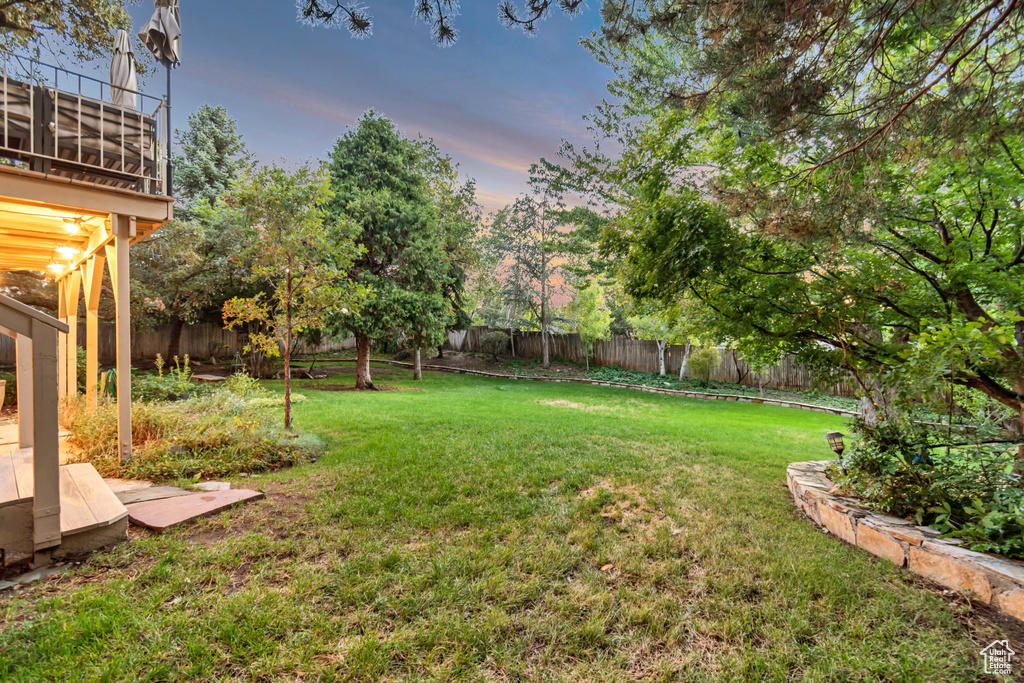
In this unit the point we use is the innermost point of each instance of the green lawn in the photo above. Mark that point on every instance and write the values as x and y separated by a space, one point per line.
485 530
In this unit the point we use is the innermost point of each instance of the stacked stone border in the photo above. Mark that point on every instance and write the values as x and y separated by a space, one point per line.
995 581
637 387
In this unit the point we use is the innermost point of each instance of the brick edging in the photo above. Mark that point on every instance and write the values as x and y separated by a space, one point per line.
993 580
650 390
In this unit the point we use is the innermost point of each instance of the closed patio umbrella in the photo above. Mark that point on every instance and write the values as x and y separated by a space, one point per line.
123 80
162 33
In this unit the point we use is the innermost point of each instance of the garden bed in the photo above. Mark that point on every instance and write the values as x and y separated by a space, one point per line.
202 432
992 580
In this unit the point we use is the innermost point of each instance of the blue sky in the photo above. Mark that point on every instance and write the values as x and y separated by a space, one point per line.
496 101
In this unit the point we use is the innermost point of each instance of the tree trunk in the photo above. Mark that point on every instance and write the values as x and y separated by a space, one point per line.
661 355
686 357
363 382
174 343
1018 467
417 366
440 351
544 325
512 340
867 412
288 354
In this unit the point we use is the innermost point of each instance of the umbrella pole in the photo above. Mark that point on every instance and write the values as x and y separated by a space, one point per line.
170 166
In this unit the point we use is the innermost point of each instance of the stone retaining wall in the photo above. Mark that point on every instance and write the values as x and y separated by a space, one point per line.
650 390
993 580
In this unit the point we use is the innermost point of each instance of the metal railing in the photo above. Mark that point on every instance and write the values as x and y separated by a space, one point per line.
56 121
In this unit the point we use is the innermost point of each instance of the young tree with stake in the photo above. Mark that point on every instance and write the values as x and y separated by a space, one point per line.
286 212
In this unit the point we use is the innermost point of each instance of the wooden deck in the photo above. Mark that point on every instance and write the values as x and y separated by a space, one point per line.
91 516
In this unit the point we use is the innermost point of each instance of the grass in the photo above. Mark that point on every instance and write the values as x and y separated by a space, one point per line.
486 530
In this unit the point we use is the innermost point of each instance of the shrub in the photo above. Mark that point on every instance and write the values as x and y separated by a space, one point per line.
213 435
964 491
703 362
494 343
11 392
173 385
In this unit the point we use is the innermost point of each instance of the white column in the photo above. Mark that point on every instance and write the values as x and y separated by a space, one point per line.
46 448
62 339
26 403
124 230
73 290
93 281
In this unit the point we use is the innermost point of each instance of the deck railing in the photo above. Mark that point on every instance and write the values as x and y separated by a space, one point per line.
56 121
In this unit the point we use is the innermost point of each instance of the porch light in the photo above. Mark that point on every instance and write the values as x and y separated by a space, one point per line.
56 267
67 252
835 442
72 225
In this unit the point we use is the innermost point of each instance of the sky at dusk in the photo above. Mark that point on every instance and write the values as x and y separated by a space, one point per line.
496 101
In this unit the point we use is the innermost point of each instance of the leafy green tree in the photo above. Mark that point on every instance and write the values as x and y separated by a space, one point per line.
378 180
531 245
184 272
841 182
524 239
86 26
286 213
458 218
593 322
704 362
663 326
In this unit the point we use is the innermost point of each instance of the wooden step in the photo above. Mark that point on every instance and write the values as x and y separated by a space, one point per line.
168 512
86 504
15 477
85 500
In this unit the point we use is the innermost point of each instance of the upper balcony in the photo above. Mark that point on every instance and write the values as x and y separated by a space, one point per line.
60 123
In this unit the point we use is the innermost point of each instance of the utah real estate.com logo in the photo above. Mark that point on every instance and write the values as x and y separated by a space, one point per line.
997 657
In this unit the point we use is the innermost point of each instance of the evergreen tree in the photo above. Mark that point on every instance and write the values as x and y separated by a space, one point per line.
378 182
437 14
212 154
184 272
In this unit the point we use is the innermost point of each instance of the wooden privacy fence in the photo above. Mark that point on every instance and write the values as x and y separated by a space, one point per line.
196 341
642 355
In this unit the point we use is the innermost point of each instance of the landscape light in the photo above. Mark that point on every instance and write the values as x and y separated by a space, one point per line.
835 441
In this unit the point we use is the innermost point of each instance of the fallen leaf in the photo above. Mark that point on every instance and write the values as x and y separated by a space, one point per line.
607 567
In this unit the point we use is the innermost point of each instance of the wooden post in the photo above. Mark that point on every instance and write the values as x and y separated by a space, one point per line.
26 403
93 280
124 230
46 440
72 291
62 339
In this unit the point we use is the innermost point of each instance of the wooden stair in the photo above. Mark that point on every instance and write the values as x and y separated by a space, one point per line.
91 516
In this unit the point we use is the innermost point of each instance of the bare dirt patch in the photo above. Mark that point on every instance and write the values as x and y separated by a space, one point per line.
628 508
336 370
351 387
577 406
